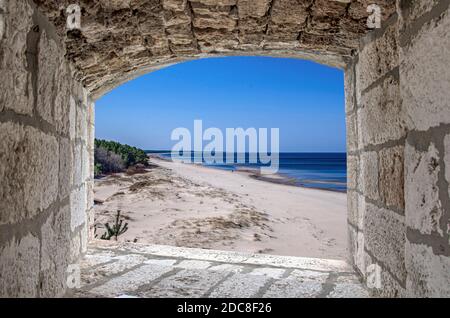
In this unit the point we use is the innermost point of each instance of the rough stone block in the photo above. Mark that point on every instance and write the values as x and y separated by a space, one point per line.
194 264
175 5
65 167
389 286
352 132
425 83
90 194
78 203
384 234
78 165
75 248
447 160
352 172
423 206
62 95
356 208
356 246
369 174
348 290
382 116
82 123
84 239
49 62
297 12
413 10
55 236
392 190
251 8
349 85
240 285
378 58
119 264
19 263
275 273
428 274
29 171
16 88
292 288
72 117
86 162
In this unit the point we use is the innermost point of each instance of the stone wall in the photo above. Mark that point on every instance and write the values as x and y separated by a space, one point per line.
398 123
46 147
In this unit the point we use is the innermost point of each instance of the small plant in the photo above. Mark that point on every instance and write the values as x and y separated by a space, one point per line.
116 230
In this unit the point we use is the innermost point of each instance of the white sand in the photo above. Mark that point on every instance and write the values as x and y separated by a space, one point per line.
195 206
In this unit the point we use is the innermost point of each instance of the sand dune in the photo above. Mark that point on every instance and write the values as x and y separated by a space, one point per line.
195 206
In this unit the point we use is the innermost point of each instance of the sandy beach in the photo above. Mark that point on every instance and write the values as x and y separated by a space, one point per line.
195 206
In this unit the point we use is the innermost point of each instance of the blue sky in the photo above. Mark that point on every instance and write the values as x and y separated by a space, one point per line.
303 99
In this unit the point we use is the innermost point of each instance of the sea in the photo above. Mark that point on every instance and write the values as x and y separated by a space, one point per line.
327 171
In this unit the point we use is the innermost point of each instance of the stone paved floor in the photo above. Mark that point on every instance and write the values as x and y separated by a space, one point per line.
135 270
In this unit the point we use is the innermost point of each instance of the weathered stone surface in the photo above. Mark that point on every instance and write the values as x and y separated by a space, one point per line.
65 167
141 34
186 283
72 117
78 164
423 205
349 85
29 172
251 8
352 171
413 10
175 5
294 288
78 202
447 160
356 248
106 273
356 208
18 262
130 281
16 89
193 264
347 290
114 265
82 123
55 260
48 76
382 117
392 189
373 65
274 273
352 132
382 283
424 85
369 174
428 274
240 285
384 236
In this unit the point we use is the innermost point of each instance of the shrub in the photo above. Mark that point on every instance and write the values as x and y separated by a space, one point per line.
130 155
111 156
108 161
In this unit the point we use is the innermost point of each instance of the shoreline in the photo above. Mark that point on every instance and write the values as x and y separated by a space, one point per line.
255 174
187 205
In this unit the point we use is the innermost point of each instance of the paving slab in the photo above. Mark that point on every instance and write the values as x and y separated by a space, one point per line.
128 270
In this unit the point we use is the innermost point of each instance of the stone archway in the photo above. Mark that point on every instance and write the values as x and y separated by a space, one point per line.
397 118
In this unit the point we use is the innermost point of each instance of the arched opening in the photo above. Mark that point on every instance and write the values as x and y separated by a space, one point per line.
299 210
397 128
